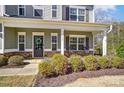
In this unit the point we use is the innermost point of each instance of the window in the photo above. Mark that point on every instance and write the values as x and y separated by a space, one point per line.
77 14
73 43
38 12
21 10
73 14
21 41
54 40
80 43
81 14
77 43
54 11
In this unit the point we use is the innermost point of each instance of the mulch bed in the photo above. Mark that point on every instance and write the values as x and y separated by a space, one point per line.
62 80
14 66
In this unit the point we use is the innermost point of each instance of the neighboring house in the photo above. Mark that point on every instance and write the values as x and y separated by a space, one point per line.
40 29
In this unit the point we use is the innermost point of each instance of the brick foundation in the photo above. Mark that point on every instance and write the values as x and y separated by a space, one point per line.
67 53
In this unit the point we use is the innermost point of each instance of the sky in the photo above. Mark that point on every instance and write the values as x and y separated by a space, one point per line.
116 11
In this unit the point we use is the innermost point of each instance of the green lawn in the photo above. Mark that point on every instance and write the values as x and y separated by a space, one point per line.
16 81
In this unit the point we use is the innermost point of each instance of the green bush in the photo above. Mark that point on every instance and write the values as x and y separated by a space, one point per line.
60 64
90 62
116 61
16 60
45 69
76 63
120 50
3 60
103 62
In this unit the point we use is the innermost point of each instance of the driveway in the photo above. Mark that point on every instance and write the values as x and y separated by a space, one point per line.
30 69
103 81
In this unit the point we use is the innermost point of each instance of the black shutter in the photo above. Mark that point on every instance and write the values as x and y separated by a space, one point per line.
67 13
87 15
87 43
67 43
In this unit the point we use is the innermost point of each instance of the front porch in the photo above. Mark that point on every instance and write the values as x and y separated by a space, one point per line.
39 37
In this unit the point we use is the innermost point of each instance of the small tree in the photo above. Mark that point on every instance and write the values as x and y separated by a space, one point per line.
120 50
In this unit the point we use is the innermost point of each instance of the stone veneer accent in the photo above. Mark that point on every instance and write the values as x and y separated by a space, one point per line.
48 53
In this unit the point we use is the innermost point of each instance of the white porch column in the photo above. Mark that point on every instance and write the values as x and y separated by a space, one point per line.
104 44
2 39
62 41
93 41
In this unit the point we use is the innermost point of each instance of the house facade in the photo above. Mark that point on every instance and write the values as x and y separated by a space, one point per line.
39 30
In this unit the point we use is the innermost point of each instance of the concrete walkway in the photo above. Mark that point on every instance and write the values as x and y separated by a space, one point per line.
30 69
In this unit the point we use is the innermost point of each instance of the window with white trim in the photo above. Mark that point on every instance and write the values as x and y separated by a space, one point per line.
38 12
77 43
54 11
73 14
54 41
76 14
21 10
21 41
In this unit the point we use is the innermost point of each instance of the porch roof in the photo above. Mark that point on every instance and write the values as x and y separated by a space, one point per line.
52 24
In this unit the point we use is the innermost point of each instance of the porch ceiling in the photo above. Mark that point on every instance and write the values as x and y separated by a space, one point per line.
46 24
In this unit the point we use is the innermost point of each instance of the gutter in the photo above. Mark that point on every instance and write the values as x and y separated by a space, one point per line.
110 29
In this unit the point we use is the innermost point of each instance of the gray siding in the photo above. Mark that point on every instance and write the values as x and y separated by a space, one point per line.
10 38
62 12
11 34
12 10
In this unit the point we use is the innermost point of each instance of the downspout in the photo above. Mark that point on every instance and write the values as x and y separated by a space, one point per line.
110 29
105 41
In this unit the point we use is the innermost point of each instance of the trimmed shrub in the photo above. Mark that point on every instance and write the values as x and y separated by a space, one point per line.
16 60
103 62
116 62
120 50
90 62
76 63
3 60
60 64
45 69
